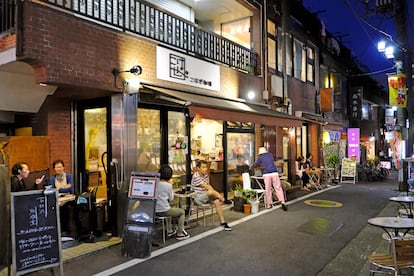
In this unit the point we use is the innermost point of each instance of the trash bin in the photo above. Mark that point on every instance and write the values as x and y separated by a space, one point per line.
137 241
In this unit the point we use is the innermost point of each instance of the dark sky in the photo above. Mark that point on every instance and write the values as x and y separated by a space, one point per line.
343 17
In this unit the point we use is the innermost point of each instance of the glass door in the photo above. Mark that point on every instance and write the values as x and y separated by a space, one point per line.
93 153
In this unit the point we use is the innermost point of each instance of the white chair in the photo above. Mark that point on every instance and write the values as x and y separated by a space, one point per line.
247 185
204 207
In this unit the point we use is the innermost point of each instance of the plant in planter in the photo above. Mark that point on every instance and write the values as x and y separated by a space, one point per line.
250 197
332 160
238 199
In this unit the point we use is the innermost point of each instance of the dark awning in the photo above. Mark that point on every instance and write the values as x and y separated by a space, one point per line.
219 108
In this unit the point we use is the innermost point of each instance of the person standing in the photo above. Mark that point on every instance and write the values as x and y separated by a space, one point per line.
20 171
62 180
165 195
200 183
270 177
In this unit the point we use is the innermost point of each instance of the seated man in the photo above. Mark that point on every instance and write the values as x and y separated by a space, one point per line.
164 195
206 193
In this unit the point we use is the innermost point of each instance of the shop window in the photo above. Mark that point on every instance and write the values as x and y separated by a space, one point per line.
149 140
177 143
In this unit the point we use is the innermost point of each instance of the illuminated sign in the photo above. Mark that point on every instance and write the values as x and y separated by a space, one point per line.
181 68
353 142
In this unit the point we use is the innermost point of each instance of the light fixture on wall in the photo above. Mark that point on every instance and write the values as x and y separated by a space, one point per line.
136 70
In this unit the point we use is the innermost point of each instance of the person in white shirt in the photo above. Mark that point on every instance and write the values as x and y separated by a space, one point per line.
165 195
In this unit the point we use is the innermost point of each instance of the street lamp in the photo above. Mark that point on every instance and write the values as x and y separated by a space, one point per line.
388 50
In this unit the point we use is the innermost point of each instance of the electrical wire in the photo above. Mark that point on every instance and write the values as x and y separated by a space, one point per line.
375 72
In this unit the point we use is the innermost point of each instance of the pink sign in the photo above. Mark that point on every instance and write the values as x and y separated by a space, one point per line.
353 142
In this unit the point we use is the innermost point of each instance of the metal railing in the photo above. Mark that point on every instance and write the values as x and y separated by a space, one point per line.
151 22
7 16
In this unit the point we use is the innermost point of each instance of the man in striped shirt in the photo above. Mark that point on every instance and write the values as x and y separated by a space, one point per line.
200 183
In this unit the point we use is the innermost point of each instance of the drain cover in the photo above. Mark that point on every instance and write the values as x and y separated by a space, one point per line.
323 203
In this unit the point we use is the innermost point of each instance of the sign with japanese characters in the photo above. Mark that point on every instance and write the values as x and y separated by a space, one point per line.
180 68
35 231
353 142
397 90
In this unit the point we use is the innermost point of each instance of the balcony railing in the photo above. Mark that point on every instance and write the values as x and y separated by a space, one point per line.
151 22
7 16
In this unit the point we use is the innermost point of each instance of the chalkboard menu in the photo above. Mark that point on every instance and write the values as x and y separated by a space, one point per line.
35 231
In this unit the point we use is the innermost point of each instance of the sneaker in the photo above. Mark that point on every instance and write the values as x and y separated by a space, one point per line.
172 233
284 207
226 226
183 236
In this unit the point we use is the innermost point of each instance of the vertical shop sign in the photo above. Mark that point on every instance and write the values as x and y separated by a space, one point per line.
356 103
397 90
353 142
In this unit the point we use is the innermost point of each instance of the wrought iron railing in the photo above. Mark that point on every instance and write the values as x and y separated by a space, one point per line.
146 20
7 16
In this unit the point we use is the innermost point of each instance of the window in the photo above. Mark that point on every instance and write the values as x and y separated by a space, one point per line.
289 53
310 61
299 57
237 31
271 45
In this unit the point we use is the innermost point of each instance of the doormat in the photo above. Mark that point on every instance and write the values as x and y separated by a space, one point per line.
323 203
321 227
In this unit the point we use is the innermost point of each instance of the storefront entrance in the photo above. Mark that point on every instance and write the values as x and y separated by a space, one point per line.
93 152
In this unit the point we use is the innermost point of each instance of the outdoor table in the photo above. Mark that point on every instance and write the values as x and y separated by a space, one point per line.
393 224
406 202
187 196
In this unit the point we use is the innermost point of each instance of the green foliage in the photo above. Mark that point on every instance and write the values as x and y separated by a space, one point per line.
332 160
249 195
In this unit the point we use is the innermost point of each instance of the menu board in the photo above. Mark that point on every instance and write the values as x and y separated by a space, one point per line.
35 231
348 171
143 185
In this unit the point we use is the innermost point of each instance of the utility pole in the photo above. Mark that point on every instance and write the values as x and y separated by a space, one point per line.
404 116
403 62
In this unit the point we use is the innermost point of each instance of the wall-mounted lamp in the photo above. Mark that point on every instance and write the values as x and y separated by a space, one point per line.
135 70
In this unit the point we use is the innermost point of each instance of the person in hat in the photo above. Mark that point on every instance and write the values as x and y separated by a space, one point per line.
270 177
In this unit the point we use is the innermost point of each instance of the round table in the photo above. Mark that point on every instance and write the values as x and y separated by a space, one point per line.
406 202
393 224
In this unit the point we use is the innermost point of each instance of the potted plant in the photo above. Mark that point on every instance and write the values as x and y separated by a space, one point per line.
238 199
252 203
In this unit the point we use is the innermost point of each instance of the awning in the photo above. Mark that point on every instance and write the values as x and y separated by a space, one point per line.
311 117
219 108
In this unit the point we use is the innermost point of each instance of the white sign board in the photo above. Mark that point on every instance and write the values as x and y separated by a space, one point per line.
143 186
180 68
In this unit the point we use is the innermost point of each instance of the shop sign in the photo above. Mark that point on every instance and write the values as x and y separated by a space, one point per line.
353 142
180 68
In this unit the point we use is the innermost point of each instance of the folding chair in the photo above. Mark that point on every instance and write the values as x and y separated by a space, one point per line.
401 257
247 185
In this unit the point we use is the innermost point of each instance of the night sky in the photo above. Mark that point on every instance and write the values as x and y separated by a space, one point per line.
342 17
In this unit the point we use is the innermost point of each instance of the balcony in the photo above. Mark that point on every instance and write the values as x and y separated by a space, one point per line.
7 17
144 19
